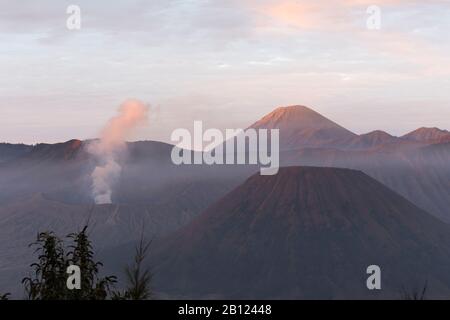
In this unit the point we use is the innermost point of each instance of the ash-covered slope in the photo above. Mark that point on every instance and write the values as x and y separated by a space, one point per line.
306 233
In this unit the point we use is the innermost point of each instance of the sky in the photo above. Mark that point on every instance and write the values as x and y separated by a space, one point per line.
226 62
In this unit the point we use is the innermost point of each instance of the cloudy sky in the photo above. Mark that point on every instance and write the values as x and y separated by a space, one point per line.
226 62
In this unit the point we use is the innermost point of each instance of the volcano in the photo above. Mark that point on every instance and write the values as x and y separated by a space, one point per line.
301 127
306 233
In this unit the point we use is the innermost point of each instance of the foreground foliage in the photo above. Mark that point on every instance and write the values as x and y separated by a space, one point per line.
49 274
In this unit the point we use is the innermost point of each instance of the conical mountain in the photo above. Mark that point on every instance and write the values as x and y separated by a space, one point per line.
302 127
306 233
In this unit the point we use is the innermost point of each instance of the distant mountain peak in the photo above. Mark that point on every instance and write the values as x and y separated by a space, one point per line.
427 134
372 139
295 115
301 126
293 110
378 133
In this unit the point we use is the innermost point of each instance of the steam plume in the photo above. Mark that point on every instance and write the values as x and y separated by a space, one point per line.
110 147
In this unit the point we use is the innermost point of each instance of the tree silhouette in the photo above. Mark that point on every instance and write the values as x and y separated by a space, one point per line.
138 277
81 254
50 278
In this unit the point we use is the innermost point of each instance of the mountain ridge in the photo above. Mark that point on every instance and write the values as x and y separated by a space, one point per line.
426 134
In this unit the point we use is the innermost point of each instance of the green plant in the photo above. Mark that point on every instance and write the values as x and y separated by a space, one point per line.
138 277
50 278
81 254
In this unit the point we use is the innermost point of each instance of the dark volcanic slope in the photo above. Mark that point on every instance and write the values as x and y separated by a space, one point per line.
306 233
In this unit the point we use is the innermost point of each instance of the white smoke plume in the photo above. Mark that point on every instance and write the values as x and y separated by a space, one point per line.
111 145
